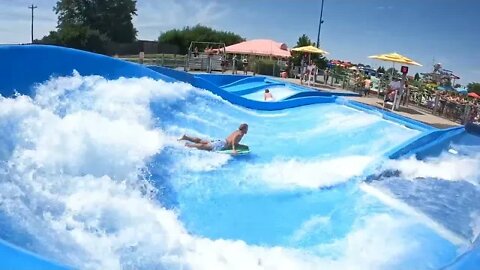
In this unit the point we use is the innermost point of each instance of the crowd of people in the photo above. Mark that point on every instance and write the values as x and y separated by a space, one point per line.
219 54
456 105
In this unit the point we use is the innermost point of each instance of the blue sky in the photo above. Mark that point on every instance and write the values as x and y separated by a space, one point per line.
428 31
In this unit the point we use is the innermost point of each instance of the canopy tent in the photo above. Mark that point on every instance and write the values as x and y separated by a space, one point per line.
262 47
445 88
474 95
462 90
344 64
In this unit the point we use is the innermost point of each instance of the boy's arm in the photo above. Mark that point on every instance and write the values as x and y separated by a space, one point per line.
235 142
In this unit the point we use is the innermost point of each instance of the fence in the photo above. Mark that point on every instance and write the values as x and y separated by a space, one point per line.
454 110
134 48
166 60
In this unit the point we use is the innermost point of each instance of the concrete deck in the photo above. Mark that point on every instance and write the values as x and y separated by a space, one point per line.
411 112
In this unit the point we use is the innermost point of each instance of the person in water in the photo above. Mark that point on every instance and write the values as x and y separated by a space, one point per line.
231 142
267 96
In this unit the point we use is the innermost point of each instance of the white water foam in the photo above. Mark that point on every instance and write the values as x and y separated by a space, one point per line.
294 173
279 93
71 180
365 250
329 123
276 114
390 200
313 224
475 224
446 167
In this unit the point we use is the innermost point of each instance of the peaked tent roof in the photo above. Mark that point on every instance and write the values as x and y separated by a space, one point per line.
264 47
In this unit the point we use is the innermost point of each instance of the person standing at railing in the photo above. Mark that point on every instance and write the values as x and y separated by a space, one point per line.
209 52
303 68
245 65
223 63
234 64
311 71
326 75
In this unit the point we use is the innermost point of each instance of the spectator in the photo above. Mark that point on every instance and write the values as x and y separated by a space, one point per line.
245 65
303 68
326 75
234 64
311 70
393 88
195 52
223 63
367 83
209 52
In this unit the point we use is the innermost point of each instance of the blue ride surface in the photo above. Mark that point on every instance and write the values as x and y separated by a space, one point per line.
254 87
23 67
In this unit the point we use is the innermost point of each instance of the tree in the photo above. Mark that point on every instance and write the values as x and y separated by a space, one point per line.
303 40
112 18
474 87
392 71
78 37
183 37
417 77
91 24
318 59
381 70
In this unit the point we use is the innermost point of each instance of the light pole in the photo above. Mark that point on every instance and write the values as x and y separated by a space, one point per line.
320 25
32 7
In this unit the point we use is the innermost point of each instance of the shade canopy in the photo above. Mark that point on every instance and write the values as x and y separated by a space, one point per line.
445 88
461 89
474 95
262 47
309 49
396 58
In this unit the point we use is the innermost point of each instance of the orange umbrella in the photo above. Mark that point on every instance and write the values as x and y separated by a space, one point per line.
474 95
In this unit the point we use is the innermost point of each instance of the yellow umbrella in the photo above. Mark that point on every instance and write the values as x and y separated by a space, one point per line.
395 58
310 49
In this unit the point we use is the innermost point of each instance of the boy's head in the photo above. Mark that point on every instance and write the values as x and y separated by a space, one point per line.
267 91
243 128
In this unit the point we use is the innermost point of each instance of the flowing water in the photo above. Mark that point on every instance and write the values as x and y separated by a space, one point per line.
92 175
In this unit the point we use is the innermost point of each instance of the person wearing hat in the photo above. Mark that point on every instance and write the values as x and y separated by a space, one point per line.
231 142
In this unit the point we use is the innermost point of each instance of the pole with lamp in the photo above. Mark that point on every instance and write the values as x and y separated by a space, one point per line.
320 25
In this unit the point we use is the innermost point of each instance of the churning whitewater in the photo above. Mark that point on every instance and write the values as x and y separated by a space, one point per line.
88 167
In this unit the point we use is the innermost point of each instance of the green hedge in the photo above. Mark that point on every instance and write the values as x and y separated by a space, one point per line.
268 67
